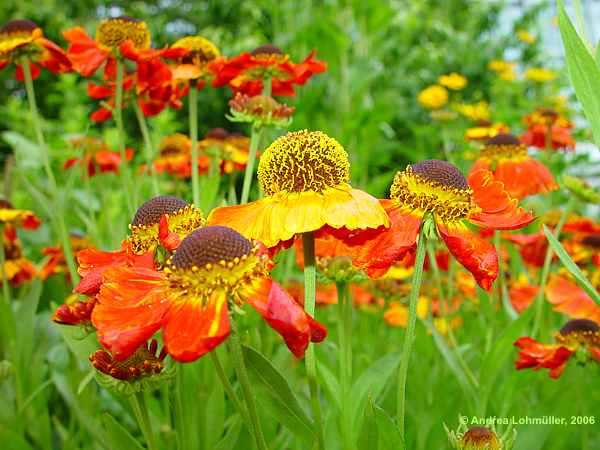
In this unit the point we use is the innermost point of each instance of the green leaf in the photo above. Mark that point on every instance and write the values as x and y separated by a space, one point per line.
117 436
583 69
389 434
232 435
580 278
330 384
368 435
598 53
12 440
372 382
27 153
278 398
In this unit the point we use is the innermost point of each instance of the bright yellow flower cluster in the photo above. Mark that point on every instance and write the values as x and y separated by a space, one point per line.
525 36
539 74
433 97
474 111
504 69
453 81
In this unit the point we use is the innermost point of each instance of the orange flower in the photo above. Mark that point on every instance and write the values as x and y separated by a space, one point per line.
97 157
158 226
247 72
74 311
304 176
193 65
189 300
548 130
143 362
24 39
570 299
579 337
584 245
57 262
326 293
17 268
230 148
440 189
532 247
522 175
17 217
522 294
174 156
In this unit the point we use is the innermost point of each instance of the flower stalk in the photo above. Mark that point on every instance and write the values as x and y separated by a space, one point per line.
148 147
193 116
255 138
345 361
140 409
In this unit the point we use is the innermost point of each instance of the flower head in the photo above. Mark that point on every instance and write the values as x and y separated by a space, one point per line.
214 267
193 65
116 31
174 156
74 311
525 36
304 176
96 156
260 110
547 129
453 81
504 69
507 158
433 97
483 130
23 39
539 74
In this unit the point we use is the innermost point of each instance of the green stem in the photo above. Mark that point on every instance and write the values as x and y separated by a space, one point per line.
228 387
147 146
345 360
310 289
37 125
193 116
181 425
267 90
8 316
410 331
539 305
255 137
140 409
117 113
240 366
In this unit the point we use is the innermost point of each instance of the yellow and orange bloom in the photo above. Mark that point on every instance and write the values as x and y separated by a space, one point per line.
508 160
539 74
439 189
97 157
11 217
17 268
483 130
504 69
174 156
304 176
479 111
578 339
230 149
453 81
433 97
522 294
570 299
56 262
548 130
23 39
532 247
213 268
247 72
396 315
194 64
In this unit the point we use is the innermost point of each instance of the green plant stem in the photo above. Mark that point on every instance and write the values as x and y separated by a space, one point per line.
539 301
8 316
228 388
310 290
37 125
140 409
181 425
193 116
255 138
147 146
118 116
409 337
345 361
240 366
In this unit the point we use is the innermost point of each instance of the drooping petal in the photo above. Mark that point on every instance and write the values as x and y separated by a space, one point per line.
284 315
83 52
477 255
131 305
571 300
498 209
192 329
536 355
524 177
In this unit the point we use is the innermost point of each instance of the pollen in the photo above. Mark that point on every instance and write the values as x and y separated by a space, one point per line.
152 210
592 240
480 438
434 186
504 146
303 161
579 331
113 32
210 245
201 50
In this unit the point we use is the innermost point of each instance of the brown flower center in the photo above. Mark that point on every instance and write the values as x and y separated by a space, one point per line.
579 332
504 146
303 161
152 210
113 32
210 245
18 26
592 240
201 50
266 49
480 438
441 172
144 362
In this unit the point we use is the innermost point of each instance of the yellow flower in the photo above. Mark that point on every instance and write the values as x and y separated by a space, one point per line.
397 313
526 37
539 74
474 111
433 97
504 69
453 81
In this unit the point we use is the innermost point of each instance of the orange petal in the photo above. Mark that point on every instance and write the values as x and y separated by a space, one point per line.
477 255
284 315
131 305
536 355
192 329
571 300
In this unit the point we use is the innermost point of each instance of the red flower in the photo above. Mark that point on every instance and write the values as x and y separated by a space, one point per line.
189 299
247 72
74 312
532 247
547 129
522 175
438 188
97 157
571 300
23 38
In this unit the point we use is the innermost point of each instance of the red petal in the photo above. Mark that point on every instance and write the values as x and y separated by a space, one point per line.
477 255
284 315
192 330
537 355
131 305
571 300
